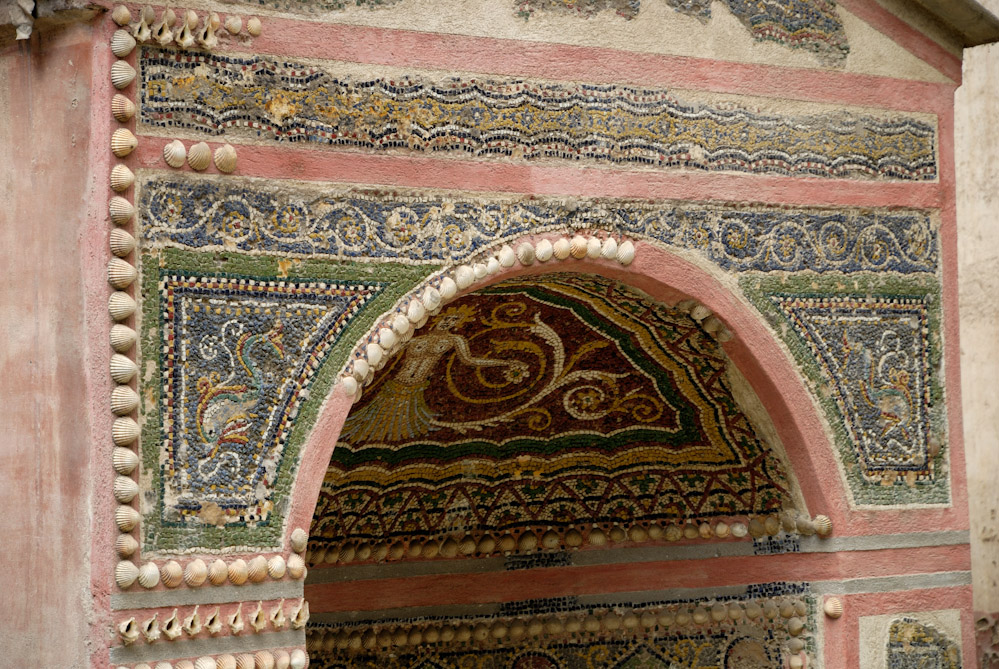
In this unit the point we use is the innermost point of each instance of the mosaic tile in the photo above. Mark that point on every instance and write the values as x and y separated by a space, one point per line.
251 215
279 100
912 645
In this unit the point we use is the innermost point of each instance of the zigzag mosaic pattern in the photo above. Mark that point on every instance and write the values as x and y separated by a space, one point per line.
286 101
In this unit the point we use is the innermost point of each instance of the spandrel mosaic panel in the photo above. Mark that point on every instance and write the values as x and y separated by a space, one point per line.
280 100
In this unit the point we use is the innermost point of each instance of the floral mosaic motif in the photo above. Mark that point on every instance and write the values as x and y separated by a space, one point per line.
557 402
238 359
255 216
913 645
874 353
275 99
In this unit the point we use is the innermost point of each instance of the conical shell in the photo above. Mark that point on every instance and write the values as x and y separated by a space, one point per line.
122 43
124 400
126 518
172 574
125 574
448 288
121 210
121 242
122 74
561 248
122 368
626 253
238 572
233 24
162 32
125 460
121 15
121 306
121 179
199 157
125 546
174 153
218 573
124 489
525 253
256 570
123 142
122 338
543 250
296 566
254 27
225 158
122 109
121 274
195 573
299 539
276 567
124 431
577 247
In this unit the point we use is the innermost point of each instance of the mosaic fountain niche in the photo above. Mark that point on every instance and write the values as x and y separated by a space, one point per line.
540 477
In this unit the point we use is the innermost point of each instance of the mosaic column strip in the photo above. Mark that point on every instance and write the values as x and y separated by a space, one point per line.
280 100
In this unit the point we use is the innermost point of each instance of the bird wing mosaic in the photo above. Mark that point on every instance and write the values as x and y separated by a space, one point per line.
559 402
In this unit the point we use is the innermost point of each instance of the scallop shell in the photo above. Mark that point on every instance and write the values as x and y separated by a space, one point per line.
122 108
543 250
122 74
244 661
254 27
122 43
467 545
561 248
415 311
739 530
123 142
256 570
626 253
506 256
823 525
121 15
493 266
126 518
431 298
486 545
795 626
149 575
756 528
299 539
122 338
506 543
690 531
238 572
264 659
225 158
124 431
172 574
551 540
218 573
122 368
795 662
593 247
125 546
525 253
120 210
464 276
121 243
430 549
573 539
121 179
233 24
480 270
597 537
617 534
448 288
297 659
125 573
374 353
276 567
195 573
204 663
124 489
753 610
722 530
705 530
609 249
833 607
528 541
674 533
699 312
121 274
386 338
718 613
199 157
174 153
577 247
349 384
124 400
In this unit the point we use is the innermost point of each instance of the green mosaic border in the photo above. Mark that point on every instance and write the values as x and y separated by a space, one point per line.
159 536
758 287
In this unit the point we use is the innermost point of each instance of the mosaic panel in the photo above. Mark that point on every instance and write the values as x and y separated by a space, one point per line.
255 216
561 402
280 100
239 354
912 645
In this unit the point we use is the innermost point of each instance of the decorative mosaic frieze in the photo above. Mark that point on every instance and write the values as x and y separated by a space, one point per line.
913 645
280 100
241 344
258 216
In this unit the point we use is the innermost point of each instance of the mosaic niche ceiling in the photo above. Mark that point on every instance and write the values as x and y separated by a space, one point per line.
540 406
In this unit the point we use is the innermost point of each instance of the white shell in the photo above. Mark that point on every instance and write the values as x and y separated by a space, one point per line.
543 250
479 270
431 298
172 574
464 276
593 247
149 575
236 620
238 572
577 247
122 74
184 37
626 253
124 431
375 353
561 248
125 460
121 179
609 248
387 338
204 663
199 156
507 256
122 368
128 630
122 108
298 659
124 489
125 546
493 266
125 573
276 567
124 400
448 288
121 15
225 158
254 27
161 31
823 525
264 659
525 253
700 312
195 573
122 337
120 210
123 142
142 30
415 311
349 384
833 607
739 530
218 572
174 153
120 306
192 623
359 368
299 539
121 243
296 566
122 43
256 570
121 274
233 24
126 518
278 620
